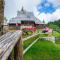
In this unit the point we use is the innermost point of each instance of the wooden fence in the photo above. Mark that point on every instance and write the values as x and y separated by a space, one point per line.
9 42
51 38
29 46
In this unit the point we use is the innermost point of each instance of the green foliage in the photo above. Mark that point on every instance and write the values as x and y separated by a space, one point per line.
56 34
27 33
55 25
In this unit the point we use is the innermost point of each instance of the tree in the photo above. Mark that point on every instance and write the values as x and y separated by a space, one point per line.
1 16
55 25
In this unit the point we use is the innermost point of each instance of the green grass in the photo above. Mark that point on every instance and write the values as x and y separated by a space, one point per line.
26 33
56 34
39 31
58 45
43 50
44 35
28 42
57 41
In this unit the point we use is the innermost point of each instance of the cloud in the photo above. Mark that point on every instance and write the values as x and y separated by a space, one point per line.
31 5
55 2
55 15
27 4
49 17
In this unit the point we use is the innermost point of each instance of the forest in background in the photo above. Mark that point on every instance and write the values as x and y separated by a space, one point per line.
55 25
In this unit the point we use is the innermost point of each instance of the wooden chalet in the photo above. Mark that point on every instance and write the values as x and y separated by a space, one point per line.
23 19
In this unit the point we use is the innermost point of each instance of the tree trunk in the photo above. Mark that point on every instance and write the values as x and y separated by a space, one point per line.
1 16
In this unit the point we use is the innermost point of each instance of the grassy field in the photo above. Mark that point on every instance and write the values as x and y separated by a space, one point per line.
26 33
28 42
44 35
43 50
56 34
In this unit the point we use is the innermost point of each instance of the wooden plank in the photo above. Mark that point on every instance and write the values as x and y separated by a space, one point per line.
11 56
5 36
9 44
18 50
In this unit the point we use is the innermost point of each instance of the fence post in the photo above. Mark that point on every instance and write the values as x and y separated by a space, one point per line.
18 50
11 56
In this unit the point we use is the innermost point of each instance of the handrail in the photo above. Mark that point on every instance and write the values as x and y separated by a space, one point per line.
30 37
7 44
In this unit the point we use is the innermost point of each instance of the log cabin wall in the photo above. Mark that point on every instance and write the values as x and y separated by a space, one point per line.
1 16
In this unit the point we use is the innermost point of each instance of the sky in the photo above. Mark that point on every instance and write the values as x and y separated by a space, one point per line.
47 10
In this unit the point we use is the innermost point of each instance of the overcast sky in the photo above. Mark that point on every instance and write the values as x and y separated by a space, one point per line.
48 10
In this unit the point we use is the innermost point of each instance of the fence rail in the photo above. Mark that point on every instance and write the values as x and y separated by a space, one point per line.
30 37
29 46
7 43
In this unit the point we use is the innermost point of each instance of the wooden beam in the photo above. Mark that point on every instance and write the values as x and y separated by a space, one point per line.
11 56
18 50
7 43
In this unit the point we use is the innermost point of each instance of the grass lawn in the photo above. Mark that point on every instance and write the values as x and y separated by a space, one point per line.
43 50
56 34
39 31
44 35
29 41
57 43
26 33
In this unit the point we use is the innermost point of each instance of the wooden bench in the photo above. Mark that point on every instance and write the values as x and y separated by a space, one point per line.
8 42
